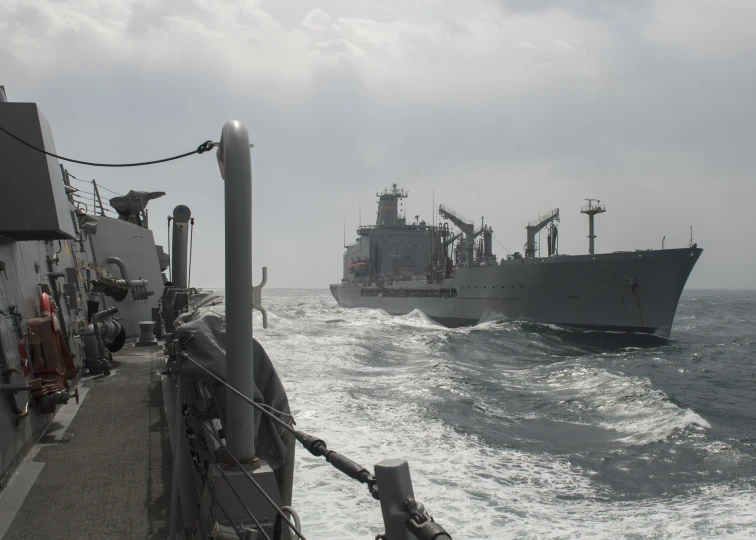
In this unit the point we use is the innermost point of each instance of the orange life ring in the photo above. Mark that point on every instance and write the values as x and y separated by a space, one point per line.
47 309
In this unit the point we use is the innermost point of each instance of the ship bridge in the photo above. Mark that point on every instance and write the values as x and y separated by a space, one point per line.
389 201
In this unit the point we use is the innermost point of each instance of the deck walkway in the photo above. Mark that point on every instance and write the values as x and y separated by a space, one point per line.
108 474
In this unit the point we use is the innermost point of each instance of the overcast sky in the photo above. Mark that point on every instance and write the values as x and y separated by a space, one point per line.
506 108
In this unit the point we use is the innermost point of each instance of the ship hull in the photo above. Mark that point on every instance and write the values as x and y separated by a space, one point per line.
626 291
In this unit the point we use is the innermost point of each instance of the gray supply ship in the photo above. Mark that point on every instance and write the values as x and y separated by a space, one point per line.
449 272
106 432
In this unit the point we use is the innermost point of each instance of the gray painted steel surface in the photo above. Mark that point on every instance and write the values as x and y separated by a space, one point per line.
394 487
34 205
45 248
634 291
135 246
235 164
399 268
179 250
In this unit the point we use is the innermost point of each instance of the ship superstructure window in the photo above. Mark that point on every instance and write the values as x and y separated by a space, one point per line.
409 293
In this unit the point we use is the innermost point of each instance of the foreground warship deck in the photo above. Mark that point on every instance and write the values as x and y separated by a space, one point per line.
193 438
104 464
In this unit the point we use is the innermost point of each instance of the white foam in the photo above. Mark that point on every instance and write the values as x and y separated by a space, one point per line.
473 489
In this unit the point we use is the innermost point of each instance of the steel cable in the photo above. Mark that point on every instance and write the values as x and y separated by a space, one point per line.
257 523
235 391
204 147
215 499
260 489
270 415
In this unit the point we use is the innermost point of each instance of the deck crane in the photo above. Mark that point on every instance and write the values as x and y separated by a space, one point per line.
465 225
534 227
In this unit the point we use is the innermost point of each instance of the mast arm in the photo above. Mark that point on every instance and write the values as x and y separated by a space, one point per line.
463 223
535 226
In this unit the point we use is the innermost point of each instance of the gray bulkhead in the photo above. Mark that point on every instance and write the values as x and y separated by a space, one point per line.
134 245
46 247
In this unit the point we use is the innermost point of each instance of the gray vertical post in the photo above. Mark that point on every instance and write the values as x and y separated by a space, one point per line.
181 217
236 170
394 487
99 200
591 210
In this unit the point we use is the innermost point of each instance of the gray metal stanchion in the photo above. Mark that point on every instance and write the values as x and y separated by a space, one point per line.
394 487
235 165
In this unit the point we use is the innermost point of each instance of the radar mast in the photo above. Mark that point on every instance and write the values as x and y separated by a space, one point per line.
592 210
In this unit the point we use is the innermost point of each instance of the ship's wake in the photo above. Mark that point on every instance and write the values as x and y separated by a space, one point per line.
511 429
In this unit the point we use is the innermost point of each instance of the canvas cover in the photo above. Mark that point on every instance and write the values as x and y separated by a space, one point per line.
202 332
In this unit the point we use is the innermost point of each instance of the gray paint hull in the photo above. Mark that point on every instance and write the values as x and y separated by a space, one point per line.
632 291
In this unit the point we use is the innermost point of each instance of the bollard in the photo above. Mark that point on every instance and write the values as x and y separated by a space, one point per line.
146 335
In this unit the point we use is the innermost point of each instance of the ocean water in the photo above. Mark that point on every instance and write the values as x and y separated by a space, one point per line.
517 430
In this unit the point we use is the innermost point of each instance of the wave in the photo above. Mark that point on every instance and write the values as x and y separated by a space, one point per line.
511 429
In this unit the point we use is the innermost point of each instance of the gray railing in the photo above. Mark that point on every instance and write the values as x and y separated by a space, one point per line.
545 217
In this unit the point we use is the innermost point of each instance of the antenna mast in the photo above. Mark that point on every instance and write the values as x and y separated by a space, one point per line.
592 210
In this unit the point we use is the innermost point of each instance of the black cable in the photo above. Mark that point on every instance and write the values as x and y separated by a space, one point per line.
204 147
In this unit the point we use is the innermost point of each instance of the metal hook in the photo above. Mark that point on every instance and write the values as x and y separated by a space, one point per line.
257 297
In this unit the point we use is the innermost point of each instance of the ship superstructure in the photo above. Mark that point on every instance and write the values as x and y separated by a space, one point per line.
450 273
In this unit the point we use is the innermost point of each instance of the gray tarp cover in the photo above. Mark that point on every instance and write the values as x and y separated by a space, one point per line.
202 331
134 201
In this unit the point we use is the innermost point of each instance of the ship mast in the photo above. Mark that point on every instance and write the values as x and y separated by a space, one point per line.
592 210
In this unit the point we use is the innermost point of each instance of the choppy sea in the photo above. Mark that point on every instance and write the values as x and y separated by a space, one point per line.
516 430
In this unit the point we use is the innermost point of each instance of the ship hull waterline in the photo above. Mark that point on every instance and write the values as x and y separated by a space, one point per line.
624 291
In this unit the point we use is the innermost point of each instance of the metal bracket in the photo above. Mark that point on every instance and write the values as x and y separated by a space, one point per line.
257 297
14 387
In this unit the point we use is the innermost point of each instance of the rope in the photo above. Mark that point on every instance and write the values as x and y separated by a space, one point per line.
502 245
204 147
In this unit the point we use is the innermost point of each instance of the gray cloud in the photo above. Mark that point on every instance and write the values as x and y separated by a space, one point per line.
504 111
605 9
